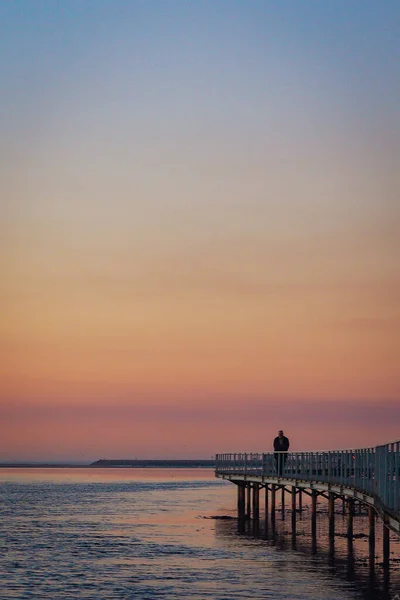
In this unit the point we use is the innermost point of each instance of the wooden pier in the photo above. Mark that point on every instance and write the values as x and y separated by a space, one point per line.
363 477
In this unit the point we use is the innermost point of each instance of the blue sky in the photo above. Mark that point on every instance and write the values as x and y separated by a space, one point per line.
199 202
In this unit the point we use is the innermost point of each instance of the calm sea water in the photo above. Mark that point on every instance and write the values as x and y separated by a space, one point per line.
137 534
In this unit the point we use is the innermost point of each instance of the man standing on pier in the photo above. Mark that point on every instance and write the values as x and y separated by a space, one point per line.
281 444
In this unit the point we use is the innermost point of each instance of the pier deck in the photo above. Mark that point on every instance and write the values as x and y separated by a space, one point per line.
370 476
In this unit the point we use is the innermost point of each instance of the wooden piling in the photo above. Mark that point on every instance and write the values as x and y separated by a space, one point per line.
350 514
386 546
313 521
256 501
293 511
273 500
241 488
248 500
371 536
314 513
331 513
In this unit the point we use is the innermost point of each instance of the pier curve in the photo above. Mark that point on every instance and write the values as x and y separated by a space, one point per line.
368 475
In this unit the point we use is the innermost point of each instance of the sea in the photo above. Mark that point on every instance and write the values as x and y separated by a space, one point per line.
136 534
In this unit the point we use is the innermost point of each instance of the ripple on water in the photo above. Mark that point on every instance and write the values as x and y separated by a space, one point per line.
144 540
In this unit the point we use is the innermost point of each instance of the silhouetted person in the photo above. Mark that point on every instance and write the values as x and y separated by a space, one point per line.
281 444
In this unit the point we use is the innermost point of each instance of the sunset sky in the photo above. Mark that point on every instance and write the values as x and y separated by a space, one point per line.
200 223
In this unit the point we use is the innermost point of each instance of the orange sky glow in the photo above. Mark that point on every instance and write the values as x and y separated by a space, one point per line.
185 273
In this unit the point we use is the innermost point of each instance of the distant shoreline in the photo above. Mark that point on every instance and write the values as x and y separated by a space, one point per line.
116 463
44 465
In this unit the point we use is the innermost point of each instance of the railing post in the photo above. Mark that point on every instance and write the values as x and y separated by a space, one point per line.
342 467
385 479
397 477
392 475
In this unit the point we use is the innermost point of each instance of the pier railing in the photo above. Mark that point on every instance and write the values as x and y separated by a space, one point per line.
374 471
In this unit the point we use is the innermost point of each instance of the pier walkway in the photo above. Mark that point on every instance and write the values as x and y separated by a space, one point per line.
370 476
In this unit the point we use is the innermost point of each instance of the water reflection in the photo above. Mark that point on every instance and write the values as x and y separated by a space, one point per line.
102 475
131 534
353 559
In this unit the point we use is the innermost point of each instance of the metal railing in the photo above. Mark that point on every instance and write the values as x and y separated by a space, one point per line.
374 471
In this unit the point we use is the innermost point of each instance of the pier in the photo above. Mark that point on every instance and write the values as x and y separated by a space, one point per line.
363 477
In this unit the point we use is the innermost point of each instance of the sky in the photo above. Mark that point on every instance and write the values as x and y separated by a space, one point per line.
199 226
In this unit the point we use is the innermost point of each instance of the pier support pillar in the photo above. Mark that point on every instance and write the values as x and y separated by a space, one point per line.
331 513
350 514
256 501
241 488
371 537
313 513
273 501
283 501
266 502
293 512
300 501
386 546
248 500
313 521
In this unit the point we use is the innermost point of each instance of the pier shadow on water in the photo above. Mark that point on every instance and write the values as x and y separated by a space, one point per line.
349 559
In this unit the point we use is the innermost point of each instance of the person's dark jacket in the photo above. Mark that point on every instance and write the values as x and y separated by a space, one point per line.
284 447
